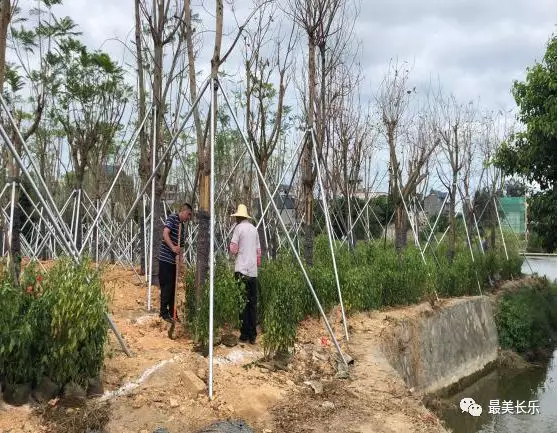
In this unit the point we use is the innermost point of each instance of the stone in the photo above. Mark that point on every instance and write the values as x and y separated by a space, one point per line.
328 405
231 426
192 383
342 374
173 402
316 385
290 382
320 355
139 401
229 340
202 373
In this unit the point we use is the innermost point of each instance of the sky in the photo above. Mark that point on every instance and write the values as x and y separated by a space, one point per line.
473 49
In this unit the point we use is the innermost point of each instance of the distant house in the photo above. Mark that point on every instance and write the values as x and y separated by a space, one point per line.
363 194
433 203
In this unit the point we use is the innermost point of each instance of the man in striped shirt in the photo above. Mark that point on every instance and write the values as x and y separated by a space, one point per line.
169 251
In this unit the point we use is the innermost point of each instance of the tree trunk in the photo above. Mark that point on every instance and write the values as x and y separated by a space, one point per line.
307 160
202 253
400 227
144 146
5 18
452 235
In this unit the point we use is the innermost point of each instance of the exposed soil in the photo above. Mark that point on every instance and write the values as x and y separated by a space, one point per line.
173 391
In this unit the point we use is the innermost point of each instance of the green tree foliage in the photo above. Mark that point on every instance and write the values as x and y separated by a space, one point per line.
531 153
526 318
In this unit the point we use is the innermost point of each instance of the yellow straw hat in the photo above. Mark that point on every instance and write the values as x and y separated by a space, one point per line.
241 212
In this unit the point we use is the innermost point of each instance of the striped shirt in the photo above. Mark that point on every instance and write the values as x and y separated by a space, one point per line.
165 253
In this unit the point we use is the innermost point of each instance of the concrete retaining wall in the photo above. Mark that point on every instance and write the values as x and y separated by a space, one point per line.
434 349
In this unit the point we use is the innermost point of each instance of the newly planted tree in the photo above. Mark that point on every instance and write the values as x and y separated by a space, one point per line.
91 96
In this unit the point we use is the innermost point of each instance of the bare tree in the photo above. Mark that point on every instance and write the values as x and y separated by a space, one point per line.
6 12
317 19
267 62
453 124
408 153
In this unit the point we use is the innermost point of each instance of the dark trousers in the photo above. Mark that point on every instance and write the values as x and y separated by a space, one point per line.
249 315
167 284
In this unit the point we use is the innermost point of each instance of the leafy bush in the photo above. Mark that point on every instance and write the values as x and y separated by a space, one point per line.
284 299
53 324
527 317
228 303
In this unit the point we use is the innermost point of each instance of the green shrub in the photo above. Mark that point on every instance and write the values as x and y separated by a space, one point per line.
229 300
53 324
72 307
526 318
284 297
16 335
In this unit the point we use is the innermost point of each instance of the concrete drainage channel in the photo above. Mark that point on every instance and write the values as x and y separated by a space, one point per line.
436 349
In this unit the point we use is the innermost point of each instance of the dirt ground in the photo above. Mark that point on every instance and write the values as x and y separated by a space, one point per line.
165 383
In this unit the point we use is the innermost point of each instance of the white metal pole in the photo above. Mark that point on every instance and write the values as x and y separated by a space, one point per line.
329 236
211 232
282 176
291 243
501 231
152 219
435 223
11 226
144 240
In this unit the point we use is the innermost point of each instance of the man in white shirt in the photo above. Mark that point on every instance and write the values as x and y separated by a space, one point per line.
245 245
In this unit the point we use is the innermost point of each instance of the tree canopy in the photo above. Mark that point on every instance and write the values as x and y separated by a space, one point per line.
531 153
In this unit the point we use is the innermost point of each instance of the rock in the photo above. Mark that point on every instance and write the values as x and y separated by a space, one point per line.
202 373
316 385
229 340
342 374
266 430
139 401
160 430
232 426
328 405
290 382
173 402
192 383
320 355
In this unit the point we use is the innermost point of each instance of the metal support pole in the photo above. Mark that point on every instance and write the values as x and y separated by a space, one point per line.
291 243
71 249
211 232
329 236
501 231
152 219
